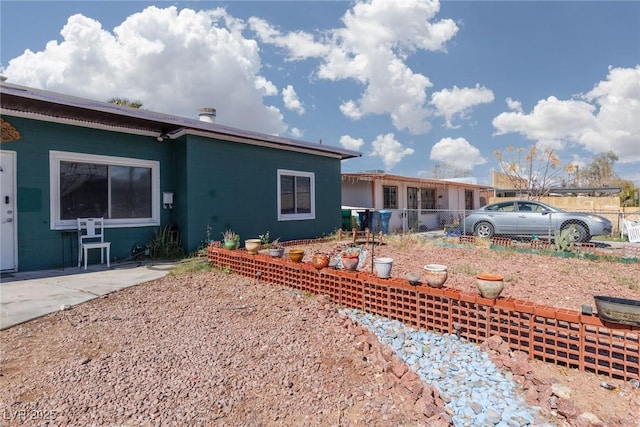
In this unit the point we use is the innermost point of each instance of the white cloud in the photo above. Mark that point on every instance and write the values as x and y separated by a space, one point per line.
291 101
300 45
604 119
390 150
457 152
618 116
351 143
377 36
457 102
296 133
514 104
173 61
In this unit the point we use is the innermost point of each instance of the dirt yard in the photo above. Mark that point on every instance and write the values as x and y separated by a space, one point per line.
210 348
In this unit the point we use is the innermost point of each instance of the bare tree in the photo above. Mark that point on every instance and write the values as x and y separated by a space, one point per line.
446 170
531 171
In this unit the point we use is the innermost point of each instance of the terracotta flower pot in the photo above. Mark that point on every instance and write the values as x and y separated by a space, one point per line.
435 275
490 285
320 261
350 263
296 255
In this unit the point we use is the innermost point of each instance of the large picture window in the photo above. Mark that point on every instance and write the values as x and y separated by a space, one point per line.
123 191
296 195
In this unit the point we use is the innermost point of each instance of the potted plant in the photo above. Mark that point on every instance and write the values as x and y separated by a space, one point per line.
231 239
275 247
350 258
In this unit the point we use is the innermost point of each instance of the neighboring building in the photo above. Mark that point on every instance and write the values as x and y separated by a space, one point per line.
64 157
415 203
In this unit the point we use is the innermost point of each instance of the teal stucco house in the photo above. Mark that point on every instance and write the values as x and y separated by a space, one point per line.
64 157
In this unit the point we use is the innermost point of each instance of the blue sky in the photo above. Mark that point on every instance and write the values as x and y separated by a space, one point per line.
409 83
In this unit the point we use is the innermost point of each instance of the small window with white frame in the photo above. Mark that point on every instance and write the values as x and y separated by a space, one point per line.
296 195
124 191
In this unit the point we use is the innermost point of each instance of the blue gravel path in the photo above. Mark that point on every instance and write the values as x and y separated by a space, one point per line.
468 381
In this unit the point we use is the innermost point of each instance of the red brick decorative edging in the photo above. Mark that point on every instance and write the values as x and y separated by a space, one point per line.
554 335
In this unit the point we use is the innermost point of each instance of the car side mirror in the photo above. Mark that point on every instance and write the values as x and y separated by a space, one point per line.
545 212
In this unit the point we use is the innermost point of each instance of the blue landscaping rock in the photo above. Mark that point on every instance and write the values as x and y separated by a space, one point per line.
469 383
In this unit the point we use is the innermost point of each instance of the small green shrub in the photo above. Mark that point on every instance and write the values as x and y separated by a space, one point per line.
166 244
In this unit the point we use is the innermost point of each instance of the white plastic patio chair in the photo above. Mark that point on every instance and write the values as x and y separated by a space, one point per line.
633 230
91 236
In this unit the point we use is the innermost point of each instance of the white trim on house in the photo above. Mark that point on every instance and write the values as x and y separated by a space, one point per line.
303 216
55 157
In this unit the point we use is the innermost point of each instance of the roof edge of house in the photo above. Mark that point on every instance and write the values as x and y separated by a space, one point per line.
160 124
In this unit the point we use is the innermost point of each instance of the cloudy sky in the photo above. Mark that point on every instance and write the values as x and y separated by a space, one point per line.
408 83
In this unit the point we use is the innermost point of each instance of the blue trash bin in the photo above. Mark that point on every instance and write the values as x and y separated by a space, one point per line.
363 219
385 216
375 225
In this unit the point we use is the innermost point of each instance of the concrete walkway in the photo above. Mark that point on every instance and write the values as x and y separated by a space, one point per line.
28 295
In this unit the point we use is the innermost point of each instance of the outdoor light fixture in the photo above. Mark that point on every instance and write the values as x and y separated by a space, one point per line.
167 200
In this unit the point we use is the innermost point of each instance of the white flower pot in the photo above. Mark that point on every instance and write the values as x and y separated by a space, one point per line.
383 267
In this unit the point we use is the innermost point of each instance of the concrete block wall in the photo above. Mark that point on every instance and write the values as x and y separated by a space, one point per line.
553 335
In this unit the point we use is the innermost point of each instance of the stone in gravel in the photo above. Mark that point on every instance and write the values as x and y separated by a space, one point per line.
398 368
492 416
439 421
426 407
567 408
476 407
589 418
494 342
561 391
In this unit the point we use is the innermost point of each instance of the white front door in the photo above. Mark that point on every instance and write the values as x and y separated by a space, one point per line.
8 230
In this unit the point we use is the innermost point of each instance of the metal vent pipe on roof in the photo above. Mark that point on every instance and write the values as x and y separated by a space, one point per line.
207 114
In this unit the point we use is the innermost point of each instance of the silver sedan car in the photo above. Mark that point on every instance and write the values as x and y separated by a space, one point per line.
528 217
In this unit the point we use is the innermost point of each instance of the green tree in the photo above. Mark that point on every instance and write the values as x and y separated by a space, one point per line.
125 102
628 194
599 173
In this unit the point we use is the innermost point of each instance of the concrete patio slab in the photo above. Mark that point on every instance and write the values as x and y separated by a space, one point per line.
27 296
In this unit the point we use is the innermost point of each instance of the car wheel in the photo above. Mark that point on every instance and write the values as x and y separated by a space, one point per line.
580 233
484 229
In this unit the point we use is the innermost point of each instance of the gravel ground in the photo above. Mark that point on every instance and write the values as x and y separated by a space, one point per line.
218 349
205 349
542 279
